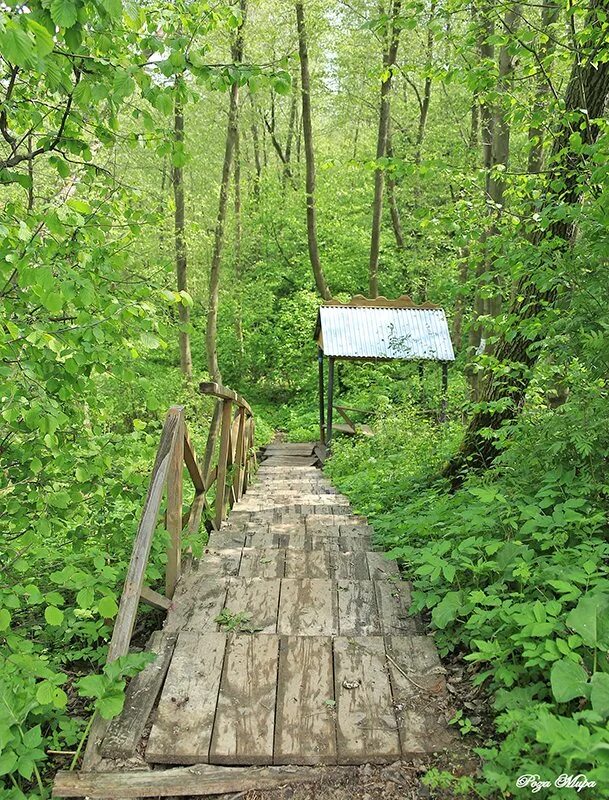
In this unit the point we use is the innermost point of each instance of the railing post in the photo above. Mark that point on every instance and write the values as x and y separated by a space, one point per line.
240 454
223 461
174 510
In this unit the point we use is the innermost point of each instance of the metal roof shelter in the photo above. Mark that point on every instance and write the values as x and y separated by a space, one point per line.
378 329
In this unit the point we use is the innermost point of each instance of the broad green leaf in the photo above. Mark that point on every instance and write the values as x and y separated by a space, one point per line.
447 609
568 680
16 45
107 607
111 705
599 697
8 760
590 619
53 615
63 13
5 619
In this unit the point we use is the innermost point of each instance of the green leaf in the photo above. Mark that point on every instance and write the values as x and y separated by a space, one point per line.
44 40
107 607
93 686
447 609
63 13
590 618
79 205
8 760
16 45
599 697
111 705
123 84
568 680
5 619
53 615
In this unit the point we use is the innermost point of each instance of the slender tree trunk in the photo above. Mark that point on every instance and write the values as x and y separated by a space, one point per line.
396 222
177 175
30 173
307 127
256 147
238 240
287 172
549 15
389 58
518 351
426 99
214 275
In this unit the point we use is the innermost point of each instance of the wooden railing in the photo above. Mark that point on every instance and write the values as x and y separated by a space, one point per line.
230 476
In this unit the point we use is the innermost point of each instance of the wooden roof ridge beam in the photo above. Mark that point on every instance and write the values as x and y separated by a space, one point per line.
360 301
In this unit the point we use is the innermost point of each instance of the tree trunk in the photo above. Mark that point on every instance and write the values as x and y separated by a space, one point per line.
518 351
214 275
396 222
238 239
426 99
307 127
389 58
256 147
549 15
177 176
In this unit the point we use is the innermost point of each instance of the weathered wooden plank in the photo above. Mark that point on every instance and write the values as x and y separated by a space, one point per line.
196 781
126 730
393 602
224 393
195 514
240 456
381 567
307 607
350 566
220 563
357 610
305 730
223 458
207 599
307 564
262 563
182 728
256 597
154 599
173 567
365 720
232 539
244 725
192 464
418 684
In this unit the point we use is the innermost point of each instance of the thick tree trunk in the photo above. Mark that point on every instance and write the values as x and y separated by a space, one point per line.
177 176
389 58
307 128
214 276
518 351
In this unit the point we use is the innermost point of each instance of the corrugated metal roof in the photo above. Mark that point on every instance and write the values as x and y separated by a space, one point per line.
404 333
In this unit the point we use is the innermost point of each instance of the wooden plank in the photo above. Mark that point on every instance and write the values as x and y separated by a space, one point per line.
366 726
381 567
174 510
256 597
220 563
245 716
182 728
222 463
125 731
154 599
307 607
262 563
419 689
357 611
196 781
350 566
208 598
393 601
192 464
224 393
240 456
305 730
195 514
307 564
230 539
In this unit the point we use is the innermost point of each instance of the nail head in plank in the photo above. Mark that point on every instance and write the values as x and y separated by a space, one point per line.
305 731
365 719
182 728
245 716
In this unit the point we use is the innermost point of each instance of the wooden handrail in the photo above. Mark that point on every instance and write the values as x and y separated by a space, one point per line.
175 452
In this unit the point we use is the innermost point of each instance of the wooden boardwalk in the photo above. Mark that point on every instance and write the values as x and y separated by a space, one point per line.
289 642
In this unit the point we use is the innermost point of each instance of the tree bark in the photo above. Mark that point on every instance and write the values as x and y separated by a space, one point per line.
214 276
549 15
396 222
307 127
177 176
517 352
426 99
238 239
389 58
256 147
